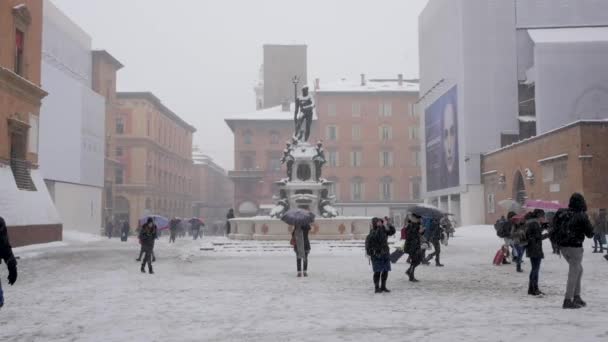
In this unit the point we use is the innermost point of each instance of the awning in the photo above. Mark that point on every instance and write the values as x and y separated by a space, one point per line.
569 35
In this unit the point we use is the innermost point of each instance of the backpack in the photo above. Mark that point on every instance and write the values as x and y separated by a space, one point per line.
374 243
502 228
519 236
561 231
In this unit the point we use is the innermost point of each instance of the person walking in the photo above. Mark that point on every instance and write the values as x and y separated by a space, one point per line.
109 228
229 216
301 246
435 238
376 246
196 228
534 248
124 234
148 237
173 228
412 245
574 231
599 232
6 254
519 242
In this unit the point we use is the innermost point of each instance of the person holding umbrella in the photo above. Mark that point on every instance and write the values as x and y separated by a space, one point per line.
376 247
412 245
300 219
196 224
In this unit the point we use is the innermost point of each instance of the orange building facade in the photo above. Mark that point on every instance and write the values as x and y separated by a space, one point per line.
153 148
25 203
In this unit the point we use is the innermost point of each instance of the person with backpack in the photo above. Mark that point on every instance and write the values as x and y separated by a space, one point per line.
570 228
518 236
376 246
6 254
534 248
413 245
504 227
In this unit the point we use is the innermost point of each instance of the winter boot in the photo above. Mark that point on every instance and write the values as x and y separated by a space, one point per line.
150 270
579 301
569 304
595 249
606 256
412 278
437 262
531 290
143 270
377 290
305 274
519 268
537 291
299 274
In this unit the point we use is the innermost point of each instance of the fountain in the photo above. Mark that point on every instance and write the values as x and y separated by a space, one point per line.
303 188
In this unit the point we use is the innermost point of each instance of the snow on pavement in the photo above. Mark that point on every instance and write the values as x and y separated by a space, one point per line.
92 290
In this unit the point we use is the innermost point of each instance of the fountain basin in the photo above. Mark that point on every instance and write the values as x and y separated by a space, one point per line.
268 228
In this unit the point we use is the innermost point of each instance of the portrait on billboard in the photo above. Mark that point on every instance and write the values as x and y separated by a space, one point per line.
441 129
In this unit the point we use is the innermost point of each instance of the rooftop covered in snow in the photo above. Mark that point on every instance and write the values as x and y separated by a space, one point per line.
277 113
378 85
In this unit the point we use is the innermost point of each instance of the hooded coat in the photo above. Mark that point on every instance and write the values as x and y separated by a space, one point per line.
579 223
412 244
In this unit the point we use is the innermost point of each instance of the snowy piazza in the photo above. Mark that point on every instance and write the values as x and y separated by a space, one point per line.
313 170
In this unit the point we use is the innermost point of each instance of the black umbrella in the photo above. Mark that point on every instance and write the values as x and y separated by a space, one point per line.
298 217
425 210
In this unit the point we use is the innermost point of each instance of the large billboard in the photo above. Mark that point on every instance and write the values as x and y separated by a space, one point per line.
441 128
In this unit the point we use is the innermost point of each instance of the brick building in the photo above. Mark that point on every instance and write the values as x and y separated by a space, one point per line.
259 141
25 203
154 148
212 193
549 167
371 138
105 68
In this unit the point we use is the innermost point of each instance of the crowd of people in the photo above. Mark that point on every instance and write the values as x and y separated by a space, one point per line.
567 228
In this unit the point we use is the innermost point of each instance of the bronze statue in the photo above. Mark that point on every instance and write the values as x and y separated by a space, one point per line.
303 115
288 159
319 160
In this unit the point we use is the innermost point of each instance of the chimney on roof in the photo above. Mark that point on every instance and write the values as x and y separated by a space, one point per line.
285 106
400 78
317 84
362 80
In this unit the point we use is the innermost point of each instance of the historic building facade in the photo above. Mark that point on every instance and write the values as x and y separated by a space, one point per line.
549 167
370 132
154 149
25 203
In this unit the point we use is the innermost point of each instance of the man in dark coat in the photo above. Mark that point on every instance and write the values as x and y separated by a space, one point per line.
109 228
412 245
173 227
6 254
534 248
435 238
571 248
148 237
124 233
376 246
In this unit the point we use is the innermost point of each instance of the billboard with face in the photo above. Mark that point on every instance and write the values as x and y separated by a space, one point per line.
441 128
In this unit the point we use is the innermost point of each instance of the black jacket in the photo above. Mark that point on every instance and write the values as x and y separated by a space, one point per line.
535 238
6 251
383 233
147 236
412 243
579 224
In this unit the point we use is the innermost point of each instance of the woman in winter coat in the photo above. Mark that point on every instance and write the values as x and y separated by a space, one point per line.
412 245
376 246
148 237
301 246
534 248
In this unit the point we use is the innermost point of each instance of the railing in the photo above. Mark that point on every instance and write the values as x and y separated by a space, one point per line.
21 172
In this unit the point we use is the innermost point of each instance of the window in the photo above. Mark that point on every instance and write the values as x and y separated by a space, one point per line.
118 176
356 109
333 189
274 138
386 159
356 132
33 133
148 126
356 190
119 152
120 126
386 133
247 137
417 158
19 47
247 162
275 164
334 160
355 158
414 133
415 190
331 109
386 190
386 109
331 133
413 113
556 171
491 204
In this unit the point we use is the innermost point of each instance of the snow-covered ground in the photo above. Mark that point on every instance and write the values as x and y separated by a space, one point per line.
91 289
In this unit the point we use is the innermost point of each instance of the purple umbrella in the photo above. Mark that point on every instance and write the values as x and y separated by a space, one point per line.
298 217
161 222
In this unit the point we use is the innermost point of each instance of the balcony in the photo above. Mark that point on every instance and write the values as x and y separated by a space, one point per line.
251 174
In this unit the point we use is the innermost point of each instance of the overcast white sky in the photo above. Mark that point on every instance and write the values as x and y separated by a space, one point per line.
201 57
